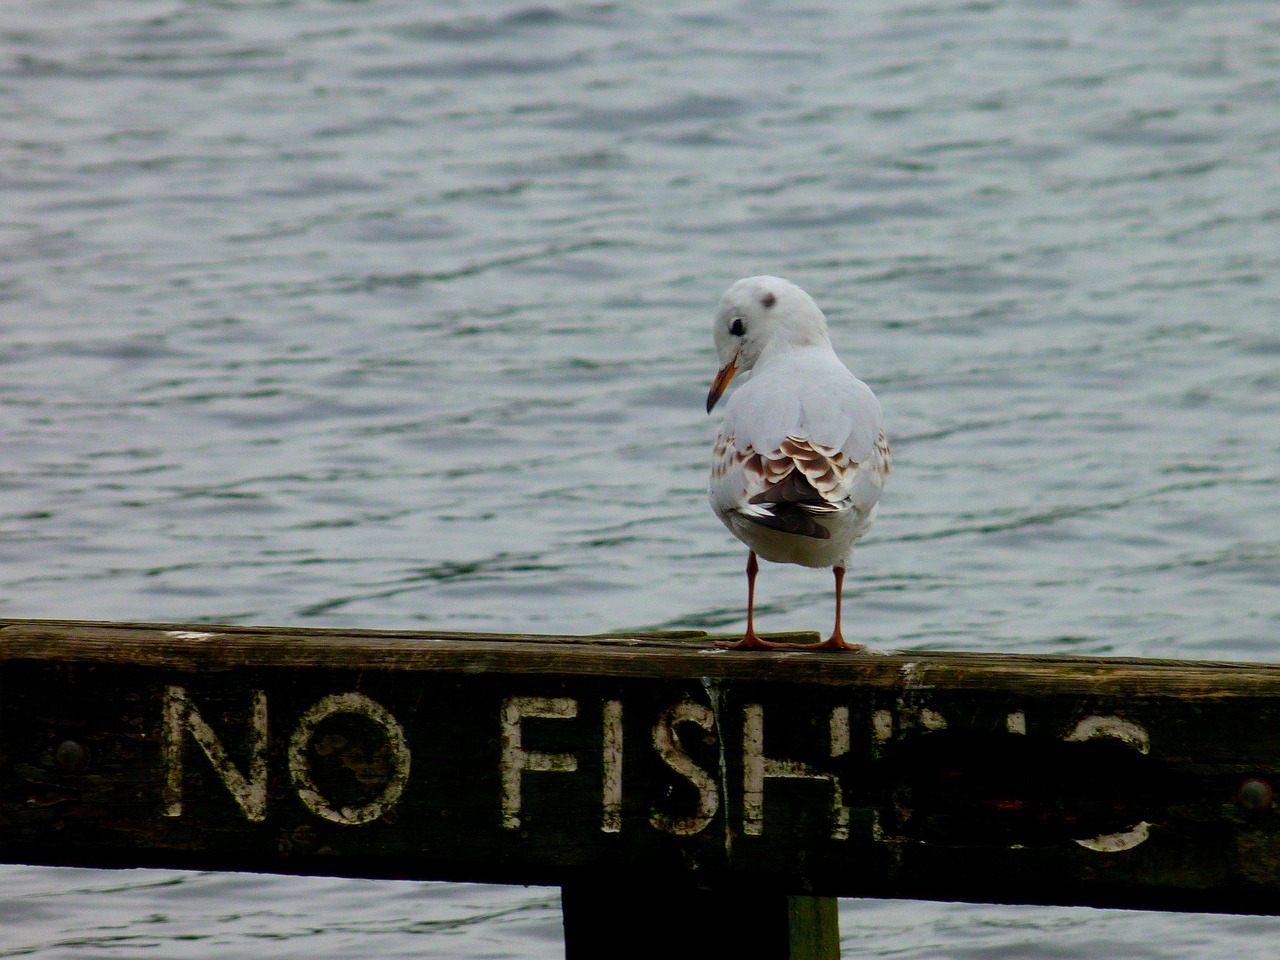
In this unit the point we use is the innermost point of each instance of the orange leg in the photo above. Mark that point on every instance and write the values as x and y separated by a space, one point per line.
836 641
749 639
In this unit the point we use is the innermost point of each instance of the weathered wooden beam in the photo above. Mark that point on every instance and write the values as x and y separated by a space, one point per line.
554 760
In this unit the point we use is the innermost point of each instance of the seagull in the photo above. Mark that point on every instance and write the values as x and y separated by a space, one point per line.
798 466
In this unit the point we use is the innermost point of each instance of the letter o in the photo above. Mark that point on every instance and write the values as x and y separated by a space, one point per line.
1136 736
300 769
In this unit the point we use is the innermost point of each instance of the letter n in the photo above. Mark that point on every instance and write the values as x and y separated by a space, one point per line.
181 717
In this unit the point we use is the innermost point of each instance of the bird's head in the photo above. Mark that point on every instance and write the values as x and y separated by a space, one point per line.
761 314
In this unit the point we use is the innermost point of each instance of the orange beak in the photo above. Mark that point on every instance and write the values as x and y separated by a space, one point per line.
721 382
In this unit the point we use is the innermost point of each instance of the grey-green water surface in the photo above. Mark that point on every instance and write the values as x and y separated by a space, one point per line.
392 314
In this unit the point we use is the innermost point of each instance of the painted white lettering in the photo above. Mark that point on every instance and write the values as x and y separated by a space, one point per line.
1136 736
300 767
181 716
841 735
666 740
611 821
516 760
841 738
882 726
932 720
756 768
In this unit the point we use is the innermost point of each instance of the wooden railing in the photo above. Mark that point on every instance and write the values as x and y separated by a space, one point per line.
685 797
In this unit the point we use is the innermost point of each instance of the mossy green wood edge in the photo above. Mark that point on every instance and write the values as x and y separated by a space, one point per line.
640 654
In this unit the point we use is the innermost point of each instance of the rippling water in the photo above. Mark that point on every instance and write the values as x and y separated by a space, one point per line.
397 315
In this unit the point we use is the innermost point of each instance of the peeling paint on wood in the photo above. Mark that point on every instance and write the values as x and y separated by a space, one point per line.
666 741
304 741
180 717
611 802
516 759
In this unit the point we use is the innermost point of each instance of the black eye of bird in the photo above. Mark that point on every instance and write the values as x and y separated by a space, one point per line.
736 328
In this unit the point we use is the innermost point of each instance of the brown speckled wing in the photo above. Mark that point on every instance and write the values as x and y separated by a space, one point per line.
791 488
882 448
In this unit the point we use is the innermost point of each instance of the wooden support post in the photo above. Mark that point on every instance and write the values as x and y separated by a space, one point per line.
607 918
813 928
